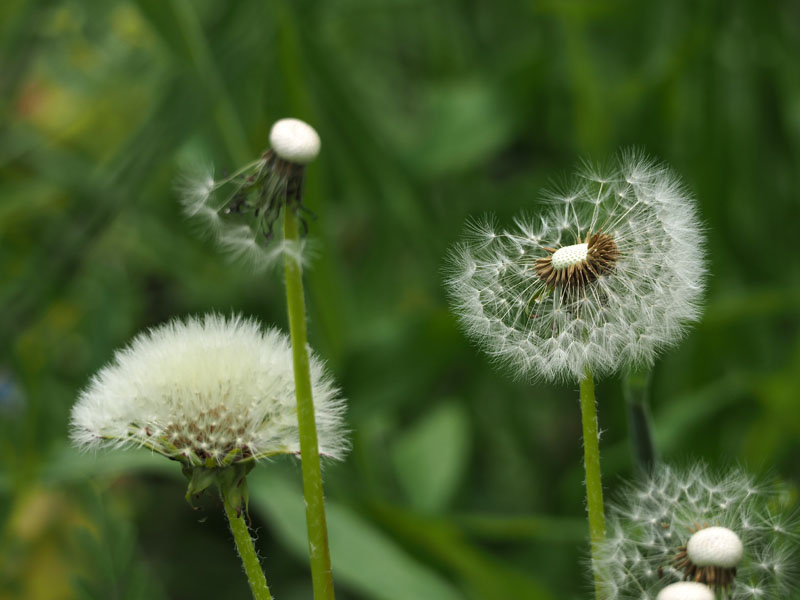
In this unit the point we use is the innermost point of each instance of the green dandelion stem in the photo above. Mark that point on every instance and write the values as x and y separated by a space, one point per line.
636 388
321 576
594 484
244 544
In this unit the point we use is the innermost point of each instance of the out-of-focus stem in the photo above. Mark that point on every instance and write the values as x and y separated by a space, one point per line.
636 388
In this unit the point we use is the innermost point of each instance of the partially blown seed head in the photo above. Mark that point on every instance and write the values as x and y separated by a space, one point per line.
243 210
730 533
609 274
207 392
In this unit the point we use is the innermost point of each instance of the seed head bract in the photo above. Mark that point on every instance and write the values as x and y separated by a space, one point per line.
603 277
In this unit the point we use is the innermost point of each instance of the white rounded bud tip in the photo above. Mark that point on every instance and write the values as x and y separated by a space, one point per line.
567 256
686 590
715 547
294 141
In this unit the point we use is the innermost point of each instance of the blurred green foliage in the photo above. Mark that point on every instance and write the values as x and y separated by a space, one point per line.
462 483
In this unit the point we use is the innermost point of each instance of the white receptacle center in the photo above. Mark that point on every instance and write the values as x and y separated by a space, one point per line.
565 257
715 547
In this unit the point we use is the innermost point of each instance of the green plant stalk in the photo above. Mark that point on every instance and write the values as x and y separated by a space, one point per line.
321 576
636 389
244 544
594 484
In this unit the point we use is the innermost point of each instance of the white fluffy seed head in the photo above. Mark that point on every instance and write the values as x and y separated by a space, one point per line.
568 256
294 141
686 590
243 211
622 313
716 547
652 521
206 391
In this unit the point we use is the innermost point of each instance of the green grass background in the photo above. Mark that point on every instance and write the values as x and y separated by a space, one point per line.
462 483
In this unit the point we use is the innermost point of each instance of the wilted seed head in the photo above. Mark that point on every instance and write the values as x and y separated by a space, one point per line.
610 273
242 210
208 392
686 590
728 533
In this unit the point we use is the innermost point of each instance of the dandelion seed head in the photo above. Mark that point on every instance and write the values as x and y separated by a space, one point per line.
694 524
206 389
243 211
608 275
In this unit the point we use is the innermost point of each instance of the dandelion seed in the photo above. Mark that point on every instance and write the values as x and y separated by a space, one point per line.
698 527
242 210
605 279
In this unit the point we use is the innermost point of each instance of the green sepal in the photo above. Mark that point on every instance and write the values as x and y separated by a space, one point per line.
232 482
231 457
199 480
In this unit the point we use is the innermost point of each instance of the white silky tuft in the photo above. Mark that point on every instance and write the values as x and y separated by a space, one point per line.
208 390
652 521
624 317
242 238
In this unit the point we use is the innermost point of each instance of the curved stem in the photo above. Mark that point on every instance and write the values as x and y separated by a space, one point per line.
594 484
244 544
321 576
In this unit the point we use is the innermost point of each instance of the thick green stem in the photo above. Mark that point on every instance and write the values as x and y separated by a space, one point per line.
594 484
244 544
321 576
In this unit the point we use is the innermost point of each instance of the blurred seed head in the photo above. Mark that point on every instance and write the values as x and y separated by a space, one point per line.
729 532
243 211
609 274
686 590
294 141
210 391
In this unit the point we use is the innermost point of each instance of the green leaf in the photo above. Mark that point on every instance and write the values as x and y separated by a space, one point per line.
364 559
467 122
431 458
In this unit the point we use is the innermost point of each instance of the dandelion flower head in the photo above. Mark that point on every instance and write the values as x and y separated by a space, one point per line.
727 532
242 210
210 391
607 275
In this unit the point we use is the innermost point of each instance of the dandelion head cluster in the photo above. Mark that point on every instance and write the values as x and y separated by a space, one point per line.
210 391
690 534
608 274
242 210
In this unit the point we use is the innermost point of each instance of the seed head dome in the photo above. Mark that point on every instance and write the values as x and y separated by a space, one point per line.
608 274
294 141
686 590
206 391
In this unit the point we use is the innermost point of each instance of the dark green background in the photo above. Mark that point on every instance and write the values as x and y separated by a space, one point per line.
462 483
